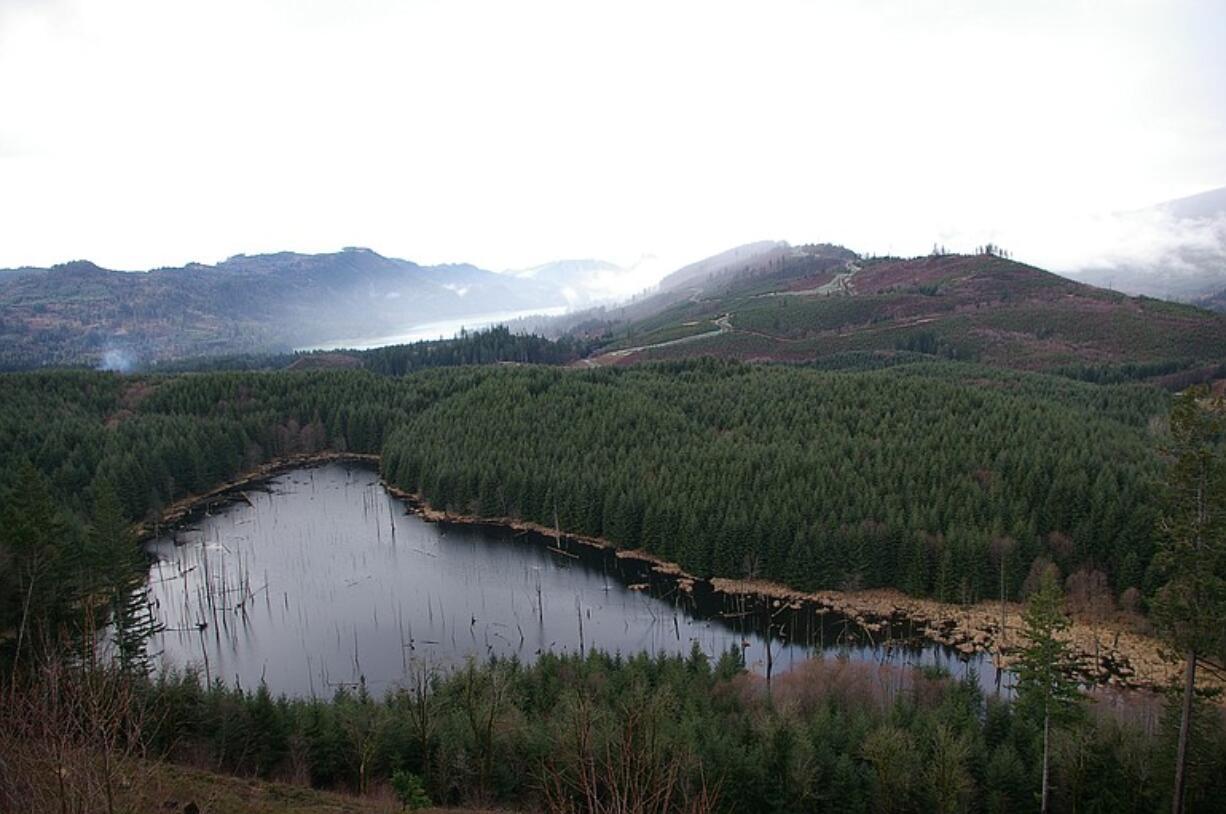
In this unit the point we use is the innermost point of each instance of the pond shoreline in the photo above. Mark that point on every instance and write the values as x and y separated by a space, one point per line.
180 510
1107 655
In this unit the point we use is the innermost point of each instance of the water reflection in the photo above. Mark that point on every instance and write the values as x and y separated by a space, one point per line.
323 578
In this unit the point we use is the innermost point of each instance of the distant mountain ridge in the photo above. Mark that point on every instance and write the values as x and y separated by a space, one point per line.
77 312
809 303
760 301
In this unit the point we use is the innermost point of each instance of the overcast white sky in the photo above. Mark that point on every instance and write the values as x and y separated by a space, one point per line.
506 134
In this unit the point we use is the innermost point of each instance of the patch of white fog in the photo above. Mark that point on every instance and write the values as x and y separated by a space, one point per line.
1163 251
116 360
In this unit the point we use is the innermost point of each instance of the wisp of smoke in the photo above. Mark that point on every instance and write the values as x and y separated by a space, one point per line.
116 360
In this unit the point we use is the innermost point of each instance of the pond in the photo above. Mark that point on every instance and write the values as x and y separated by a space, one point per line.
321 578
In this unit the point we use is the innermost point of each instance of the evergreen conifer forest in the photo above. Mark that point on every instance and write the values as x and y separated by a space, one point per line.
937 478
900 477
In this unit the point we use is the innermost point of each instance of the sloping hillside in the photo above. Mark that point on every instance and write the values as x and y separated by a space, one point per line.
979 307
707 279
738 260
77 313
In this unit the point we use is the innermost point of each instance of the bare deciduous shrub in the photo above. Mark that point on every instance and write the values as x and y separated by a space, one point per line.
71 739
622 765
1061 545
1087 593
1034 578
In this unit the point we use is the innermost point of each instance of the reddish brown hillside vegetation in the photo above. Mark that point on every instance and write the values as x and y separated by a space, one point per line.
973 307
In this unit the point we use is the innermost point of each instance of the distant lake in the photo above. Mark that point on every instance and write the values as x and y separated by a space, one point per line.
442 329
322 578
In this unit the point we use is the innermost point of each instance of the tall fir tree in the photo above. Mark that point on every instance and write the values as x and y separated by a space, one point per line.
1190 608
33 538
112 573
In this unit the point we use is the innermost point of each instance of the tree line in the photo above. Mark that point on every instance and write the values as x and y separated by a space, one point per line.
662 734
907 477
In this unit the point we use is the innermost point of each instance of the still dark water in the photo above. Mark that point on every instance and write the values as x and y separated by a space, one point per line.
322 578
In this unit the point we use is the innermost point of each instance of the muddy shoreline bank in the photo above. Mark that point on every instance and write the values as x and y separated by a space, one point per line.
1107 654
182 509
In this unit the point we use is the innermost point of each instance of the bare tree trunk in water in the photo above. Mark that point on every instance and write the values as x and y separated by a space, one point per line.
770 661
1185 726
1000 648
1003 629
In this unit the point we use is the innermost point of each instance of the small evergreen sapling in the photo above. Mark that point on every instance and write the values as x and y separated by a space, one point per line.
1045 688
409 790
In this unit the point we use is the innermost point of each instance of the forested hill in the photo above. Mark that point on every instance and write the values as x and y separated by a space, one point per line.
919 476
909 477
80 314
800 306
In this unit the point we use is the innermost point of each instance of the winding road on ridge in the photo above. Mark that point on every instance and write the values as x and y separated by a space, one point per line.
722 325
840 285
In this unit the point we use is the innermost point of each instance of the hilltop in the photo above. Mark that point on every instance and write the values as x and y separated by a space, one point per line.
812 302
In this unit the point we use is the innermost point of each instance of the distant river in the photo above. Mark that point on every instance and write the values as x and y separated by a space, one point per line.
322 578
443 329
